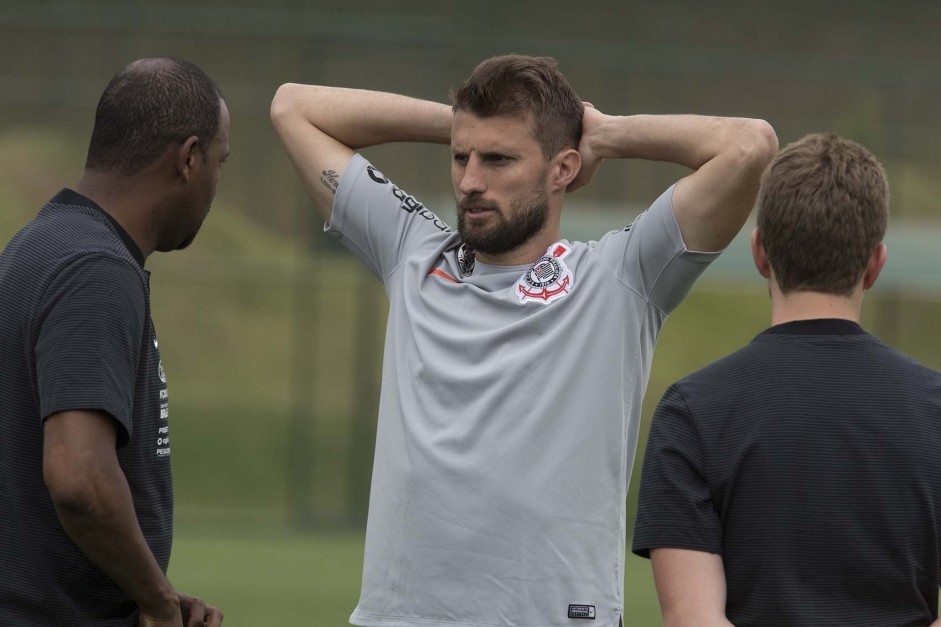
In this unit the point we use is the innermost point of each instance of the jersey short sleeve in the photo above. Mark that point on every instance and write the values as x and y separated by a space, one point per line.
649 256
675 508
92 318
379 222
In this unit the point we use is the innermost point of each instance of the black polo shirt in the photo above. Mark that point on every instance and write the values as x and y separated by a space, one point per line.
810 460
75 333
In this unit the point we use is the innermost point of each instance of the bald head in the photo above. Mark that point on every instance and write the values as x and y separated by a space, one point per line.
149 106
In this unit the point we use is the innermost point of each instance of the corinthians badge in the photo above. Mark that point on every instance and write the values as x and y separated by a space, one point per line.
548 279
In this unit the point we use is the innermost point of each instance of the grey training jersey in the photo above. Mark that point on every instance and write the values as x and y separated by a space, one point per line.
509 414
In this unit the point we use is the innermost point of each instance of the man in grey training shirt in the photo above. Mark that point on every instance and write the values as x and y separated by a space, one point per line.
515 361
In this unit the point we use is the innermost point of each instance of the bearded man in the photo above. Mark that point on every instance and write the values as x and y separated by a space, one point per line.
515 360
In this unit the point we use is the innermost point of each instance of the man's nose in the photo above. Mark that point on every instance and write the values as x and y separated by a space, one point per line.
472 179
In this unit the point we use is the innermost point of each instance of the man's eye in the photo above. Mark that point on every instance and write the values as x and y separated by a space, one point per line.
460 159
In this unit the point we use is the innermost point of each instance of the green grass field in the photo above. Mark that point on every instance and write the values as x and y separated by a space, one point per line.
275 577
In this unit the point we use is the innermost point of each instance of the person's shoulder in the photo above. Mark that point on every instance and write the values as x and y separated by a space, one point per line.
55 238
895 359
94 284
68 233
734 368
66 225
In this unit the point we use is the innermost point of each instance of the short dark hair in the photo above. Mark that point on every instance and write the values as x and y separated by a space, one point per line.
822 211
516 84
147 107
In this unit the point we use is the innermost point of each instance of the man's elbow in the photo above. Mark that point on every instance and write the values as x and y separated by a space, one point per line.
295 101
758 144
283 105
75 494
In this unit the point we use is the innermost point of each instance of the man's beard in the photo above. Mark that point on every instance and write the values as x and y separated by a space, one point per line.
505 234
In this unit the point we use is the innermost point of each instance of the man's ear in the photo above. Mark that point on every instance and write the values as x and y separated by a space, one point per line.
566 168
759 255
186 156
875 265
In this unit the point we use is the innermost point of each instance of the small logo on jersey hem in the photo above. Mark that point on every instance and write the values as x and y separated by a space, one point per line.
582 611
548 279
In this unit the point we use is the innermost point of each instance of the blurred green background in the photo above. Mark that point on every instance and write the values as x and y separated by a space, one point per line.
271 335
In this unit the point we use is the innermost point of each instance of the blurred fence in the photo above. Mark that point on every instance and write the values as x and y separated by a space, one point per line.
273 337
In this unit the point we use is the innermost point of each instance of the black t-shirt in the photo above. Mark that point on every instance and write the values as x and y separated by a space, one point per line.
810 460
75 333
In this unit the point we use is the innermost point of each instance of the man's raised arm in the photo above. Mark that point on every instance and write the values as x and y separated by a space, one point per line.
728 154
321 127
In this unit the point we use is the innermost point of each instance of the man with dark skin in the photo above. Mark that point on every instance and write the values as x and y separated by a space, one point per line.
83 395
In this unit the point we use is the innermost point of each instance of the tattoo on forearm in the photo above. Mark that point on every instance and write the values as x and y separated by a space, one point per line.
330 180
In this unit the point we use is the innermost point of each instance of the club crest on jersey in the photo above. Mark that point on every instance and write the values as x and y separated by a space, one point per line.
466 260
548 279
